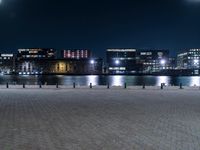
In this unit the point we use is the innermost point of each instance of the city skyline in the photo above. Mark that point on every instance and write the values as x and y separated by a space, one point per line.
93 54
118 61
99 25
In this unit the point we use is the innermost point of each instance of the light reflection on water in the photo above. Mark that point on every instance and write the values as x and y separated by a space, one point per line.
92 79
118 80
195 81
79 80
163 79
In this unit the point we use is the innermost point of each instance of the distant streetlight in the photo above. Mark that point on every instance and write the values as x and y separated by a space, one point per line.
163 62
92 62
92 66
117 62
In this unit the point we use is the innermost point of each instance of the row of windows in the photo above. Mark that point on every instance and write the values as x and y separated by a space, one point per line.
193 58
5 58
33 56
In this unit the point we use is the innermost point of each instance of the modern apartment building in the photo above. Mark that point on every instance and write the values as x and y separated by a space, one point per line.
36 53
76 54
7 63
152 61
190 60
121 61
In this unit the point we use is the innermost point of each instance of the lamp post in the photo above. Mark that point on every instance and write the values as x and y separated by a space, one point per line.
117 62
92 62
163 63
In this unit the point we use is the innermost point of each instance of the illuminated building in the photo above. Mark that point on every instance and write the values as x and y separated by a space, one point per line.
76 54
36 53
59 66
152 61
130 61
190 59
7 63
121 61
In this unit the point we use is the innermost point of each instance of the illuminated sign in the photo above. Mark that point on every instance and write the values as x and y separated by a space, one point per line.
6 55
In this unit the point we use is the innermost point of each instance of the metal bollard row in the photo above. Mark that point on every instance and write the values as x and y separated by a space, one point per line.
91 86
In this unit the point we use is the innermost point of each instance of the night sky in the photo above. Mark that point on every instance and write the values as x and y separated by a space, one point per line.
100 24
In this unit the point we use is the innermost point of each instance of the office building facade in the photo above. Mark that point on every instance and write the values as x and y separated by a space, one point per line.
7 63
76 54
152 61
190 60
121 61
36 53
59 66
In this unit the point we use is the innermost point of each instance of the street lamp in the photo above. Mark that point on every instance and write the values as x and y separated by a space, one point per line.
117 62
92 62
163 62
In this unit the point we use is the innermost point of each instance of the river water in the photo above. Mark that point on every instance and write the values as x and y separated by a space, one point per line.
117 80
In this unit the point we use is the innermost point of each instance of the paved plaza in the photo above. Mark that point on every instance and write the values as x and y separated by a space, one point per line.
99 119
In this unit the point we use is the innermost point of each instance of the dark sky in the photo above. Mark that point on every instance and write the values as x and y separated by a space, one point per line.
100 24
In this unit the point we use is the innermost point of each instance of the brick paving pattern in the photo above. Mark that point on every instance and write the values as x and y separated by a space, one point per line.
99 119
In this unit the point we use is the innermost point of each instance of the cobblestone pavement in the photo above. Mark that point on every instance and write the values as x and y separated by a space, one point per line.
99 119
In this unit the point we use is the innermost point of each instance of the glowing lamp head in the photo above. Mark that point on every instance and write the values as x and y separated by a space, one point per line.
117 62
92 62
163 62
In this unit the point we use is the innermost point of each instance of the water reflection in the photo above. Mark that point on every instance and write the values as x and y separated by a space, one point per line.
79 80
100 80
116 80
92 79
162 79
194 81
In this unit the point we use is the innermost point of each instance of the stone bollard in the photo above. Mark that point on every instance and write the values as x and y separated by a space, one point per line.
143 87
74 85
161 87
91 85
56 85
24 85
181 86
125 86
108 86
